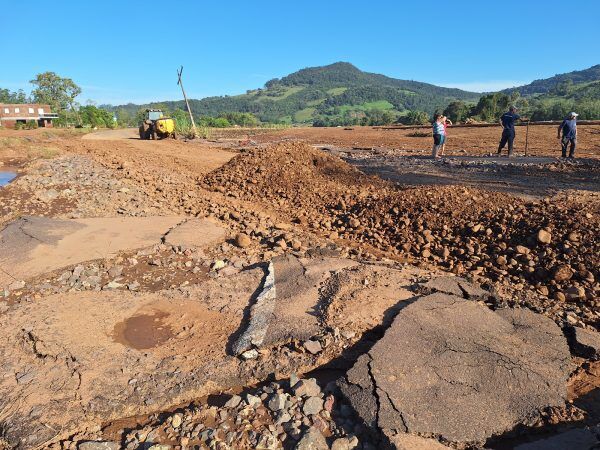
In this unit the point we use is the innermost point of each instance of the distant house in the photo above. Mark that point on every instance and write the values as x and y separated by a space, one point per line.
11 114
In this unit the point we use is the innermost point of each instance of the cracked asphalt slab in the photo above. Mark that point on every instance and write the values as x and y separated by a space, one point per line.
31 246
452 368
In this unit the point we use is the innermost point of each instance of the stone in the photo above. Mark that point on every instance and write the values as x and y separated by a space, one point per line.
218 264
242 240
233 402
563 272
98 445
522 250
313 439
312 406
574 293
454 368
342 444
253 400
249 354
306 388
277 402
544 237
313 347
16 285
176 420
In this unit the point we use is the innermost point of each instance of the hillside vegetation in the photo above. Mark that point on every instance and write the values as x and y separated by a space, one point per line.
335 94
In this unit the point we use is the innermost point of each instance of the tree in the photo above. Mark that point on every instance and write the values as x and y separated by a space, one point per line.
457 111
58 92
416 118
7 96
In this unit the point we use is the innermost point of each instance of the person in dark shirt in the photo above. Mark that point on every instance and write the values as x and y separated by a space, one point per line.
507 121
569 134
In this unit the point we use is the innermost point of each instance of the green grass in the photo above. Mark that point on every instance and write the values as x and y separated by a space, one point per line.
337 90
304 115
258 96
381 104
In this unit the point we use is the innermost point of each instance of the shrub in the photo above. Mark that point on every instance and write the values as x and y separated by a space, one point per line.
31 125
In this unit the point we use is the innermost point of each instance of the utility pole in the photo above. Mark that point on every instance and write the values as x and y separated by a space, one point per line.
180 83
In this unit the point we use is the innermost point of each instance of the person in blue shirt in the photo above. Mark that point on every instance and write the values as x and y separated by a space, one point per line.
569 134
507 121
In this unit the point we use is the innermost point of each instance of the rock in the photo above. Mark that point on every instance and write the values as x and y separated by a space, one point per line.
218 264
574 293
233 402
306 388
115 271
159 447
343 443
242 240
176 420
98 445
253 400
522 250
313 347
312 440
448 366
249 354
16 285
563 272
277 402
559 296
312 406
544 237
112 285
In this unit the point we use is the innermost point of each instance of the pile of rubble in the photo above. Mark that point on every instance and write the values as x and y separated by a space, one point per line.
547 248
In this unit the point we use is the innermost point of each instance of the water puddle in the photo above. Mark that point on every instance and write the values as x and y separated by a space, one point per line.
6 176
143 331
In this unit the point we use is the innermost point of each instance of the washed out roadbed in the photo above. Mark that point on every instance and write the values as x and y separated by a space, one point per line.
253 295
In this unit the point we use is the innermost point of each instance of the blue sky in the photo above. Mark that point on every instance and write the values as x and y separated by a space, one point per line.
129 50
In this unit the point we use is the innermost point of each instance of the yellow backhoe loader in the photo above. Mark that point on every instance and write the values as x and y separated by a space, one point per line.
157 126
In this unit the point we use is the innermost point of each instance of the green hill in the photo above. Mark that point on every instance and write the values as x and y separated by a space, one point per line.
547 85
337 93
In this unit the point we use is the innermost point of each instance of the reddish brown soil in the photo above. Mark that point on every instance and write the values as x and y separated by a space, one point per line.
475 141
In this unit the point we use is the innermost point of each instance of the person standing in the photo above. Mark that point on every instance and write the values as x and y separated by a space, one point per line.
439 134
507 121
447 123
569 134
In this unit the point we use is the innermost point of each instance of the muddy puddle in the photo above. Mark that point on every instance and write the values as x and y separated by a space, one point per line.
143 331
6 175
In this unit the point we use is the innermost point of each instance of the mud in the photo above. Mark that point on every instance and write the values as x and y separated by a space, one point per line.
143 331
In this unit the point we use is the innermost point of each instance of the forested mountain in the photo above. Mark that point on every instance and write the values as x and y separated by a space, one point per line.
547 85
341 94
337 92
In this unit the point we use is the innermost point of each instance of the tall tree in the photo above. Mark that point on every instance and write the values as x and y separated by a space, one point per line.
56 91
